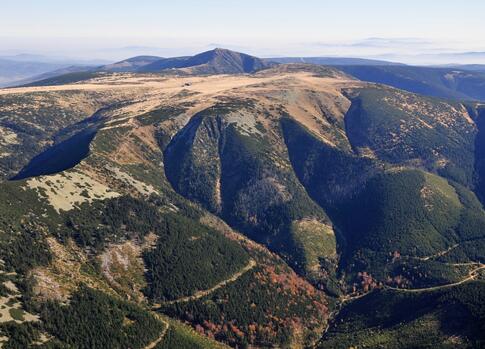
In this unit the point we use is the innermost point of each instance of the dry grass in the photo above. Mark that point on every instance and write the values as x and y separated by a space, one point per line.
67 190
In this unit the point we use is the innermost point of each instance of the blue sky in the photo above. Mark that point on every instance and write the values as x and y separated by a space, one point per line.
265 27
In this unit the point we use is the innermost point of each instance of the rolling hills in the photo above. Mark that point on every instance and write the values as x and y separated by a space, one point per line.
217 61
289 206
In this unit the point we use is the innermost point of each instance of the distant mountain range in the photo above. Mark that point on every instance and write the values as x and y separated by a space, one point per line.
439 58
470 67
25 68
466 82
11 71
217 61
331 61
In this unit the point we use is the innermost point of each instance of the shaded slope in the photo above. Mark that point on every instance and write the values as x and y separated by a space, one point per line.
480 154
452 318
329 174
29 122
404 128
383 213
59 157
231 173
437 82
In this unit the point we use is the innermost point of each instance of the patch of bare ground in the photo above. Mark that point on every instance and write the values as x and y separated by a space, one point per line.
7 137
139 186
65 191
68 269
123 268
11 308
219 225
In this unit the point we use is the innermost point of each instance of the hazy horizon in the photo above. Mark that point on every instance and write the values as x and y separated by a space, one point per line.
414 32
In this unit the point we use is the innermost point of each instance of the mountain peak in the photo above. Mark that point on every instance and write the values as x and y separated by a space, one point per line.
215 61
220 49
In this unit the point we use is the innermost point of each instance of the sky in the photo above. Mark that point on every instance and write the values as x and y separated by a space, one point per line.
109 29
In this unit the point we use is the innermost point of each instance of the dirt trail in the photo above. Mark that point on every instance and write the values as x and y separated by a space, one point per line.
200 294
333 314
162 335
197 295
438 254
471 276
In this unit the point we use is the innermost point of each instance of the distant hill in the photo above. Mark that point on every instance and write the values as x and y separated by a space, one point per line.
23 69
11 70
217 61
436 82
60 60
470 67
130 64
331 61
54 75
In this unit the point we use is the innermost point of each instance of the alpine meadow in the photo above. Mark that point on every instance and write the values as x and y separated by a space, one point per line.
326 189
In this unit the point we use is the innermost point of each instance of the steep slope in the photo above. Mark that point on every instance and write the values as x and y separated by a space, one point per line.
231 158
448 318
480 152
405 128
29 122
437 82
234 177
399 216
59 157
109 227
348 189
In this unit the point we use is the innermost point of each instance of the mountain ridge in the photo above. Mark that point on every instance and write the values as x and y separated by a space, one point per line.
258 209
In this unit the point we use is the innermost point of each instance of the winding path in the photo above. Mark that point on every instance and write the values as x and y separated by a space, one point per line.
153 344
438 254
199 294
471 276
